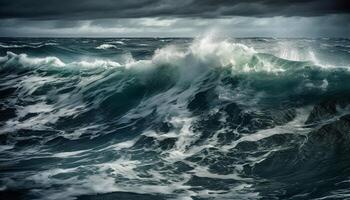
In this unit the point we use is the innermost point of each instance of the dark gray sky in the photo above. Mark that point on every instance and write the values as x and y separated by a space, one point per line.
171 18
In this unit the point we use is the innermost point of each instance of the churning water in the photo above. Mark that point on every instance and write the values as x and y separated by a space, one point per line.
149 118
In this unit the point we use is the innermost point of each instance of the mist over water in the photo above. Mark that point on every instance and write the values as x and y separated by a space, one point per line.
166 118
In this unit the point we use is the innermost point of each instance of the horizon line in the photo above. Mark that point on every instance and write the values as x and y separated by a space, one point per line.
164 37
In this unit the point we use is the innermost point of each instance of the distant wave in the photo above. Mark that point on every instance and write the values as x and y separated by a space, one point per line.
106 46
9 46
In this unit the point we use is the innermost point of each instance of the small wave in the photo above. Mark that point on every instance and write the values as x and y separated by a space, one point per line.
106 46
118 42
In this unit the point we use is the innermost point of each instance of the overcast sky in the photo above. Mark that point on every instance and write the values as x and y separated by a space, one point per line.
174 18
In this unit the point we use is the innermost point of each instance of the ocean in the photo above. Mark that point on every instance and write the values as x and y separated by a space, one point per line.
174 118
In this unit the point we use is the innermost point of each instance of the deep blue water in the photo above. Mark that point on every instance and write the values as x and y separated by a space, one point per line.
165 118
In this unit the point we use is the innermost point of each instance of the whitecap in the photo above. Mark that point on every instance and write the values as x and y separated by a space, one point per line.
106 46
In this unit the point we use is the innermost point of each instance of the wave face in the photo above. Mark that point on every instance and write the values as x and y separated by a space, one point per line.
256 118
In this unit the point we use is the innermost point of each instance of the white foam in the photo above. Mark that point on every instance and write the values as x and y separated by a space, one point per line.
160 137
323 86
296 126
122 167
97 63
68 154
185 138
201 171
124 145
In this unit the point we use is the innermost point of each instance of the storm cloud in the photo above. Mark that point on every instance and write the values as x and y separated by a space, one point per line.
169 17
91 9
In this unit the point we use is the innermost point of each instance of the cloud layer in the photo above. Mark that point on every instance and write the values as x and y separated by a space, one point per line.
92 9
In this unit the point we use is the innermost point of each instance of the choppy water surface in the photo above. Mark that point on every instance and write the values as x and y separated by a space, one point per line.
257 118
